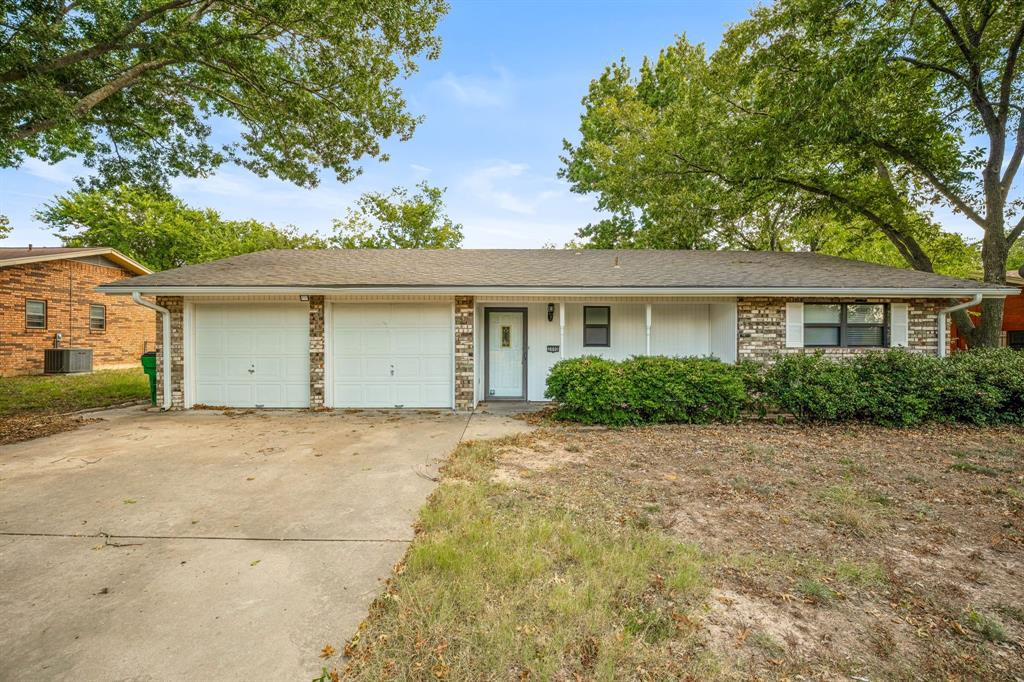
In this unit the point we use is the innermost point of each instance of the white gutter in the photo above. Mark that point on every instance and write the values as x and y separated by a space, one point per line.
942 320
932 292
137 297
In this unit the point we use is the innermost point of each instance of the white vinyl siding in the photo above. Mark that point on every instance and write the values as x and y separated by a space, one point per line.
899 329
794 325
392 355
677 329
252 355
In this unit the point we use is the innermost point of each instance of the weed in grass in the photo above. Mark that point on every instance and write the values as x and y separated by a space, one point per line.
859 574
852 511
852 469
985 625
573 447
816 592
966 466
766 643
1011 611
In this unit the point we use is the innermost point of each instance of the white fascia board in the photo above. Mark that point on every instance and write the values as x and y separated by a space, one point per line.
932 292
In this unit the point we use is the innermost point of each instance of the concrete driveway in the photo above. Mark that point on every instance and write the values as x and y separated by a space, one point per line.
207 545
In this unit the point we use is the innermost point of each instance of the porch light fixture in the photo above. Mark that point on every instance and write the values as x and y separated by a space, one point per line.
551 311
303 297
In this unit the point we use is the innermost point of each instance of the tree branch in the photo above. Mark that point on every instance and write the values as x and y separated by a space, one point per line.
87 103
110 45
1006 87
935 181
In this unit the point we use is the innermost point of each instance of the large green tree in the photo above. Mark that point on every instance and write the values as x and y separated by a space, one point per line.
159 230
398 220
133 86
865 114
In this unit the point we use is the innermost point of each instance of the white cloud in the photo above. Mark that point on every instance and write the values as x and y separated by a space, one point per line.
420 171
62 173
478 91
483 185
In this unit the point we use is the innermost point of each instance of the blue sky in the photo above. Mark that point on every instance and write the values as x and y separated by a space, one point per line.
498 103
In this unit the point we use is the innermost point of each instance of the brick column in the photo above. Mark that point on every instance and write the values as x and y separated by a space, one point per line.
465 369
316 352
176 305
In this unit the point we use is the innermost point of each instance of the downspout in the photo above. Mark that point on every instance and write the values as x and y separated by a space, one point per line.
137 297
942 321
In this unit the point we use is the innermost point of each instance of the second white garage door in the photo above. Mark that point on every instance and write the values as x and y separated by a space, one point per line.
392 355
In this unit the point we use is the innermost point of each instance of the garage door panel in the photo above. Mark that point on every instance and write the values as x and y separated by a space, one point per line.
270 339
371 340
405 341
436 368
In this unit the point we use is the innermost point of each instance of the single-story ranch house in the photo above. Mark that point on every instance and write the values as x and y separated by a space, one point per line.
448 329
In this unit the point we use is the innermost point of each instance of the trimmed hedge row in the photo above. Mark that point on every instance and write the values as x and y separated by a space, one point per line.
892 388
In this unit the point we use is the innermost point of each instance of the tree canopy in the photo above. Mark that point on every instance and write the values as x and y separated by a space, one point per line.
161 231
133 86
398 220
827 124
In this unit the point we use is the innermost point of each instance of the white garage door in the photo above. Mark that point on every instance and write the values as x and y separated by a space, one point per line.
392 355
252 355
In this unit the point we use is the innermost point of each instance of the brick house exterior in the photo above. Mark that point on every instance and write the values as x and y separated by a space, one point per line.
435 329
761 327
65 280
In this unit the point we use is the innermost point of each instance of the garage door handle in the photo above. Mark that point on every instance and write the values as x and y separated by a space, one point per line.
251 370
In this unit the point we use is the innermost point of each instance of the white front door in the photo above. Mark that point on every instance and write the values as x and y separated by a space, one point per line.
506 352
392 355
252 355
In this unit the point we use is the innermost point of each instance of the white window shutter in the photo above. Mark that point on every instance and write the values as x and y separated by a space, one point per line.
899 325
794 325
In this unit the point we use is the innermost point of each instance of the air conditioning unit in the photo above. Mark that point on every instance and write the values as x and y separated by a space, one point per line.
67 360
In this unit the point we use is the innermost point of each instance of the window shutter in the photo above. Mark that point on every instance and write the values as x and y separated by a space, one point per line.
794 325
899 327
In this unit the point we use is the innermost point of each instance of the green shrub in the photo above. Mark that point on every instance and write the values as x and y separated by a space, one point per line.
812 387
647 390
983 386
896 387
591 390
891 388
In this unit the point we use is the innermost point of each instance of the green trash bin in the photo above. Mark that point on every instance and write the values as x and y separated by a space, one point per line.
149 367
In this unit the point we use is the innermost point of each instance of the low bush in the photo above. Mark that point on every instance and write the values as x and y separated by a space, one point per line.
811 387
891 388
647 390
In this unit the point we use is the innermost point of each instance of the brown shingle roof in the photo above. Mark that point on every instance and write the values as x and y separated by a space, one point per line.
556 268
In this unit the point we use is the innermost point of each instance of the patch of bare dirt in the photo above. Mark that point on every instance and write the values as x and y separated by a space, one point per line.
18 428
834 552
529 456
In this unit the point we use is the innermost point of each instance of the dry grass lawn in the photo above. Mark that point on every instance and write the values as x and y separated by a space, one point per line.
753 551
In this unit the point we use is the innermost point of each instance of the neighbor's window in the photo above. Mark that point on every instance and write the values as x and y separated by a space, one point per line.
35 314
597 325
855 325
97 318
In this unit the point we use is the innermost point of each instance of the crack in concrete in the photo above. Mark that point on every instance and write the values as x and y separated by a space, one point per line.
101 536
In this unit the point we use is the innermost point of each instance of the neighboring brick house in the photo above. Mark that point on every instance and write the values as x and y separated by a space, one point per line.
1013 316
448 329
49 290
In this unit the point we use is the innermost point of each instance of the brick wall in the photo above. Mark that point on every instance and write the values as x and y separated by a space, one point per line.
316 352
761 325
465 367
68 287
175 305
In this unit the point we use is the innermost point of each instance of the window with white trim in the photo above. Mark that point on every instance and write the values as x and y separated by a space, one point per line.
597 325
97 318
35 314
847 325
